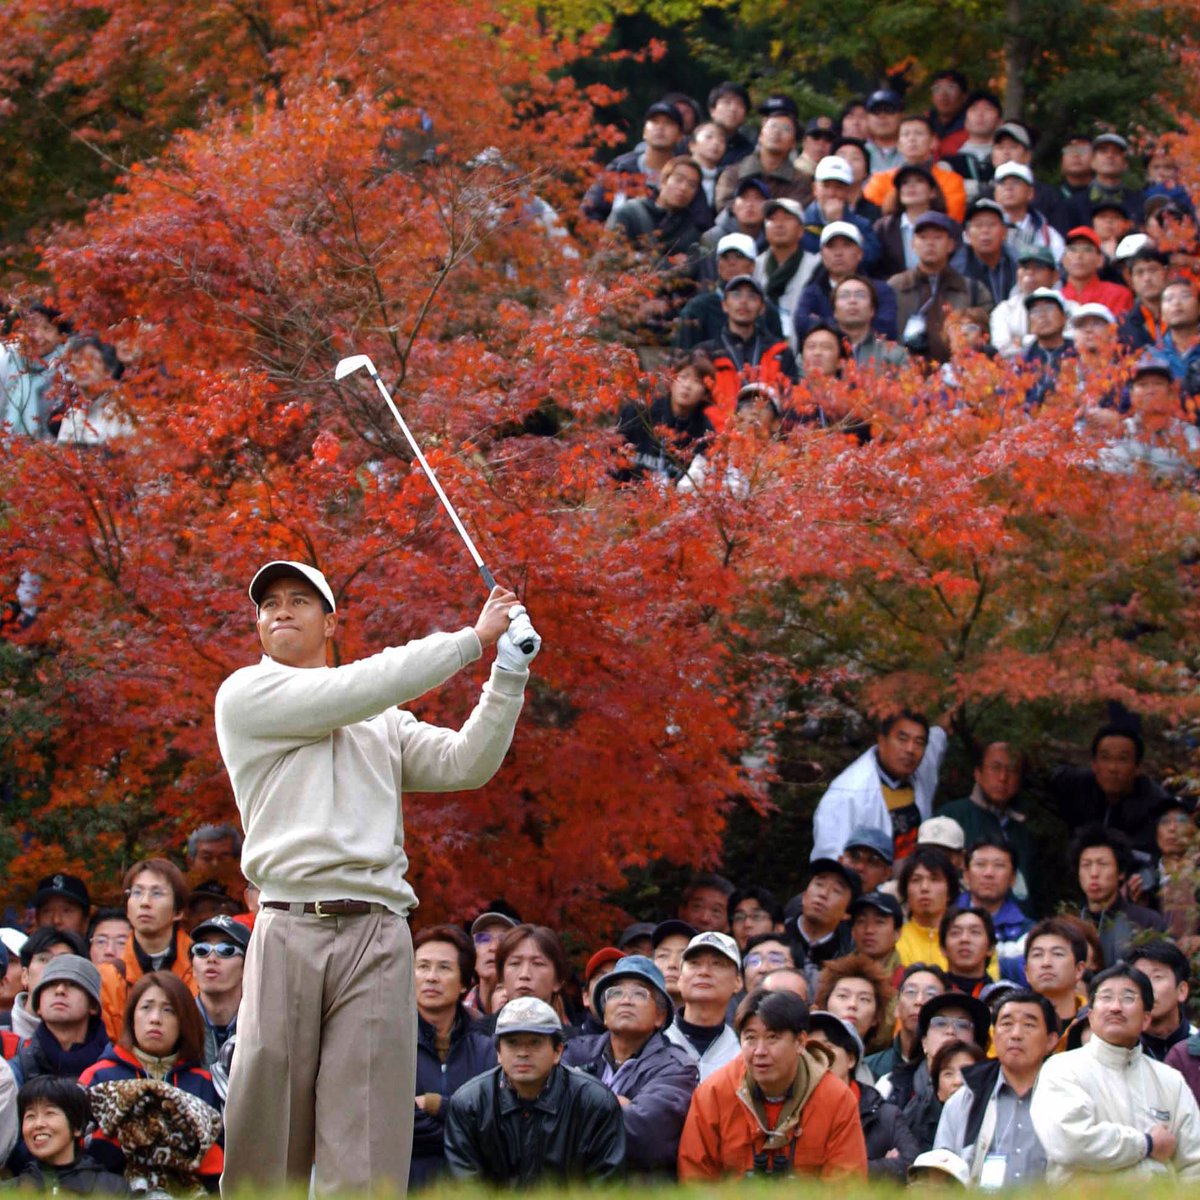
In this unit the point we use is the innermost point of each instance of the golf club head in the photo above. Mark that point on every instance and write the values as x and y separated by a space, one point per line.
354 362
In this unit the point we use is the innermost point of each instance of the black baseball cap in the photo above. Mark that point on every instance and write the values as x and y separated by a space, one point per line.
831 866
223 926
671 928
881 902
660 108
69 887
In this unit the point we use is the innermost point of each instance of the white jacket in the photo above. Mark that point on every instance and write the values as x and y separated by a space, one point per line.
855 798
1093 1107
725 1049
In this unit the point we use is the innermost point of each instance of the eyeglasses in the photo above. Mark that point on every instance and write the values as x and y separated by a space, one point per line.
154 893
220 949
755 914
773 958
910 991
484 938
631 992
958 1024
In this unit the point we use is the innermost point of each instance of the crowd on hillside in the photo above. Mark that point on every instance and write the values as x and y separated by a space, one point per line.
920 1007
806 250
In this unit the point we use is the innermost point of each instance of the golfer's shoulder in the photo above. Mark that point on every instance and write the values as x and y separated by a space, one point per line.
244 681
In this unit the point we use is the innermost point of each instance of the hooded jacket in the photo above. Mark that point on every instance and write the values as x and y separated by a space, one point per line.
573 1130
658 1082
43 1055
1093 1107
817 1132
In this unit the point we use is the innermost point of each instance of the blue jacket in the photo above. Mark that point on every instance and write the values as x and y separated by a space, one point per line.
1011 927
816 301
658 1083
1185 365
814 222
471 1053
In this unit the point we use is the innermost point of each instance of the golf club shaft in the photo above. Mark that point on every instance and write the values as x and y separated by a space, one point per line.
488 578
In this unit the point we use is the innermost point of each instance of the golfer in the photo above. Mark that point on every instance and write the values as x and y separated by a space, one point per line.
324 1071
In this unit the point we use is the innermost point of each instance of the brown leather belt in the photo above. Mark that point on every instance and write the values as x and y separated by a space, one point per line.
328 908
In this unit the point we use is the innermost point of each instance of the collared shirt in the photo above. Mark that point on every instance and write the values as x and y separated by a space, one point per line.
1016 1139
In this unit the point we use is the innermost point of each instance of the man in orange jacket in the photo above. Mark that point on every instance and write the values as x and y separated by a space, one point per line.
917 145
155 898
776 1110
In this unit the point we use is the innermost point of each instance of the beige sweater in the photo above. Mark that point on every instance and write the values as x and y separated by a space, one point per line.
315 756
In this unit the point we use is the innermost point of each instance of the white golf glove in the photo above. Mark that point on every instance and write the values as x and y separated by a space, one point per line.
520 632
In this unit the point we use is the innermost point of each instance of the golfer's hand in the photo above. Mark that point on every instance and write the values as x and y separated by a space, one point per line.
493 620
519 643
1164 1143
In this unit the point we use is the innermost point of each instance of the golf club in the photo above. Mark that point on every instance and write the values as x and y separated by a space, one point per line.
356 362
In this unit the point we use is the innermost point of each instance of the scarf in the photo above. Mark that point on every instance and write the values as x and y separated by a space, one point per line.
73 1060
780 276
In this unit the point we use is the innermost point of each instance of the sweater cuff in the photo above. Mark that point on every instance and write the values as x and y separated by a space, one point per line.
1149 1146
469 647
508 683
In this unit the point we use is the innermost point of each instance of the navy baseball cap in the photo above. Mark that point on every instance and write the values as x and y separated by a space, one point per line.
881 902
869 838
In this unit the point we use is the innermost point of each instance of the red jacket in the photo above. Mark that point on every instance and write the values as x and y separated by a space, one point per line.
769 369
723 1133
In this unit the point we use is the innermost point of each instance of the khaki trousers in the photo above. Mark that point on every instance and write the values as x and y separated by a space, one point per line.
324 1072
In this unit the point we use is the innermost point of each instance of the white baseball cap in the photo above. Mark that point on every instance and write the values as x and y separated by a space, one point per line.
742 243
1008 169
946 1162
720 943
841 229
1131 243
835 169
528 1014
1093 309
281 567
941 831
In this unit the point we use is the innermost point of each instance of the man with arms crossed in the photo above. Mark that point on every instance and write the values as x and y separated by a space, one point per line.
317 756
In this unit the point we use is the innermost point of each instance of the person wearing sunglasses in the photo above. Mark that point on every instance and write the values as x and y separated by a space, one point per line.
218 954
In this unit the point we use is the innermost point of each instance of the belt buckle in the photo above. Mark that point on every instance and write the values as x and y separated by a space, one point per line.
322 915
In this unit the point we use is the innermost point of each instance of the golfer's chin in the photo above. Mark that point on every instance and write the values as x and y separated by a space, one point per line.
290 651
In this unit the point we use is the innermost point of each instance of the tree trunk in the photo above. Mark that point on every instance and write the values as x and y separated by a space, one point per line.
1016 60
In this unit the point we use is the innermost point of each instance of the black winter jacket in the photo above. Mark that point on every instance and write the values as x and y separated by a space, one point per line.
84 1177
885 1129
572 1131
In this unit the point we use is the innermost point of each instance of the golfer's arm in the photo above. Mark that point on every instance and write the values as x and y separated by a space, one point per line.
306 704
433 759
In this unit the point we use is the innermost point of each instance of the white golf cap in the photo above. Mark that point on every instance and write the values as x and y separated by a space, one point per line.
844 229
1045 293
719 943
281 567
740 243
945 1162
941 831
13 939
788 205
1009 169
1093 309
528 1014
835 169
1131 243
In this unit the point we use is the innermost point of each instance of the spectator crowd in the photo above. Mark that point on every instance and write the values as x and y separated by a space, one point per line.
922 1008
